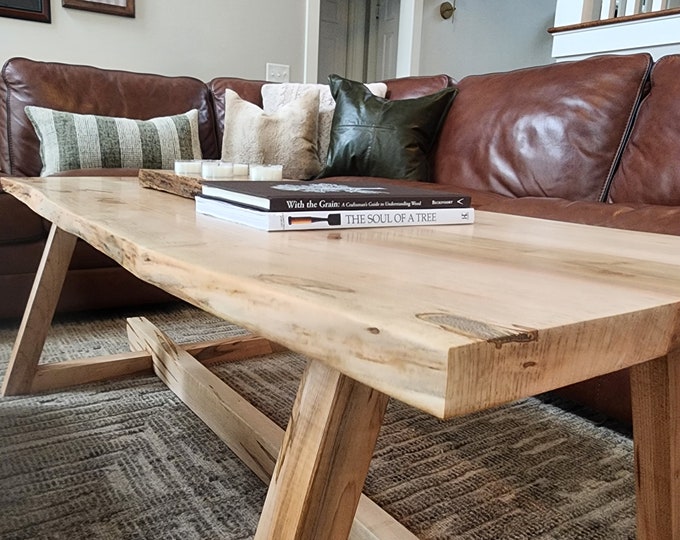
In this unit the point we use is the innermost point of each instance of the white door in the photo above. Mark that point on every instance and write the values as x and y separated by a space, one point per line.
358 39
387 32
333 36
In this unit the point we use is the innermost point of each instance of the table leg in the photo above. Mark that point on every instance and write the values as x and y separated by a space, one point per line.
40 309
656 428
324 458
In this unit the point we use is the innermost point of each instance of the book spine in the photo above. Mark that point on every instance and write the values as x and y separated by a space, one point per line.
374 218
302 204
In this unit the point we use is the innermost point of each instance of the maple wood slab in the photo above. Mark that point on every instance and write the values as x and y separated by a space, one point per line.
450 319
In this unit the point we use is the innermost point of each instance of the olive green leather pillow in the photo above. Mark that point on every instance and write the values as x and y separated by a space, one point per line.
373 136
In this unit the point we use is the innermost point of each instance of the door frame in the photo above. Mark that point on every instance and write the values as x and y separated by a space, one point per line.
408 41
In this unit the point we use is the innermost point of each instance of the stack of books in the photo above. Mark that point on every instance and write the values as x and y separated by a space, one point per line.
327 204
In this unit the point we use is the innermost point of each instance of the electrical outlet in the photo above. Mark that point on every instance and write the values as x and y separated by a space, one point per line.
277 72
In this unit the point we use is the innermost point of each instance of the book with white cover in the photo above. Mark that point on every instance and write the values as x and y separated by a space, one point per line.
324 219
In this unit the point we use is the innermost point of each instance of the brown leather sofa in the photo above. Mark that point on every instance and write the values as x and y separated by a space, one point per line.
94 281
592 141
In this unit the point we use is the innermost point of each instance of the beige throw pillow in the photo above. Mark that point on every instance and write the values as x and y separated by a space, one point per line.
287 137
277 96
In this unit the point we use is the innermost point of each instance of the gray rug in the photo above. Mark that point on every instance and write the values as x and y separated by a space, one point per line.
126 460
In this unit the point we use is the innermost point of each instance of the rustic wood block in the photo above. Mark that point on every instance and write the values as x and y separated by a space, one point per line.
184 186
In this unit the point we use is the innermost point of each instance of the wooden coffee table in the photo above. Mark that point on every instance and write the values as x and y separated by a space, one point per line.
449 319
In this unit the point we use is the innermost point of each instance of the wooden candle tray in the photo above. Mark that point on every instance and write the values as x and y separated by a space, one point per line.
184 186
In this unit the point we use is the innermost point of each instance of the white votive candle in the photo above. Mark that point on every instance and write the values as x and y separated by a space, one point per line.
266 172
216 170
256 172
240 169
274 172
188 166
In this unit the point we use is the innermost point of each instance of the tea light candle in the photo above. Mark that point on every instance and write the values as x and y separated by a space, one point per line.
188 166
216 170
240 169
266 172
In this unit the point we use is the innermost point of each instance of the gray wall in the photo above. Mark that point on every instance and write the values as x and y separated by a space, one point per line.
201 38
486 36
209 38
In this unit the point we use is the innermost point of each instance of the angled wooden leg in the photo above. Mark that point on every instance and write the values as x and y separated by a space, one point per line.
39 312
324 459
253 437
656 427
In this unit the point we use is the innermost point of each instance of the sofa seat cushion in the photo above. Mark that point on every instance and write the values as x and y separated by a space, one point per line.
553 131
650 171
77 141
18 223
634 217
20 258
100 172
372 136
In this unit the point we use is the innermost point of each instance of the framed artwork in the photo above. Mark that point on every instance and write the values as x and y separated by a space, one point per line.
124 8
32 10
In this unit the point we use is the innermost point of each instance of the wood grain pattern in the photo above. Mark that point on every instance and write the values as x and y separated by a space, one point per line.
250 434
449 319
37 318
324 459
655 389
101 368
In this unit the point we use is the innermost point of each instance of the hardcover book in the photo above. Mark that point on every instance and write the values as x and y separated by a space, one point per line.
329 219
296 196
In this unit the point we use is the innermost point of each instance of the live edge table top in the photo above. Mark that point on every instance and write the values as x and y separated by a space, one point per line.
450 319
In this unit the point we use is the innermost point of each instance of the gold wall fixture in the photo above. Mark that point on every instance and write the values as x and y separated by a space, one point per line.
446 9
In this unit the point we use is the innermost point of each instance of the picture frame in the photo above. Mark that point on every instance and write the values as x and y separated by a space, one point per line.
31 10
124 8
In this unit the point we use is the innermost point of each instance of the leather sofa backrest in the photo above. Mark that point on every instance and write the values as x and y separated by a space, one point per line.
89 90
251 90
248 89
649 171
550 131
417 86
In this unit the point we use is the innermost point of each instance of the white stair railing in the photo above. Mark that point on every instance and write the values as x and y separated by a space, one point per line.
621 8
594 10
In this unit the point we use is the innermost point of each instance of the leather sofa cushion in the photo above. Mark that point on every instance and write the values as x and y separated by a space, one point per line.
20 258
90 90
631 216
552 131
649 170
417 86
251 90
18 224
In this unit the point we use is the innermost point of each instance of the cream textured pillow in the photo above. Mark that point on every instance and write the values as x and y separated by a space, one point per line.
71 141
287 137
276 96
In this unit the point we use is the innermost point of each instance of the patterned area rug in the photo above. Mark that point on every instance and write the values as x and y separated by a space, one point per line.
126 460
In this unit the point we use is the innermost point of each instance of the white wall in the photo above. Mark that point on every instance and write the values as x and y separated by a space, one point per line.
201 38
209 38
486 36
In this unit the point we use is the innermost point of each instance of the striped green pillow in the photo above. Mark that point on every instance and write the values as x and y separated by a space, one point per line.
71 141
